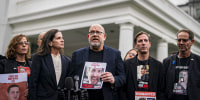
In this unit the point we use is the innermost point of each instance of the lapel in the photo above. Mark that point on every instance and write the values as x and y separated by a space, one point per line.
133 69
172 67
151 72
192 63
85 54
50 66
106 57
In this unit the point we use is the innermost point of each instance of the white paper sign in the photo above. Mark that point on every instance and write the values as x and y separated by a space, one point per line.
91 75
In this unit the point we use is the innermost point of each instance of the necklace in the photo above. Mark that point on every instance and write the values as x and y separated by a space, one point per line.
21 63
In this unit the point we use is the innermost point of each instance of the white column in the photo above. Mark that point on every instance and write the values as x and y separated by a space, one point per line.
125 38
162 50
4 27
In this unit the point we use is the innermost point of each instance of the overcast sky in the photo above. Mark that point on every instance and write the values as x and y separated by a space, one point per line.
178 2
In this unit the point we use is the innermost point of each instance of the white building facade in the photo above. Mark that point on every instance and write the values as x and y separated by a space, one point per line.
122 19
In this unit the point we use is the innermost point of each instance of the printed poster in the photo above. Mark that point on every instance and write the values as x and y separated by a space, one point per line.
180 87
143 76
91 75
141 95
13 86
22 69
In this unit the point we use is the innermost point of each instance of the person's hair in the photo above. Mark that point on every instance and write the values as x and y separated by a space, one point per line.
11 51
140 33
173 53
42 33
45 49
144 67
99 26
11 86
133 49
191 34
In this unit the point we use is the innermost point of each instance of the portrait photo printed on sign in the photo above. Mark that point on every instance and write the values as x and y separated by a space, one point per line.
22 69
180 87
91 75
143 76
13 86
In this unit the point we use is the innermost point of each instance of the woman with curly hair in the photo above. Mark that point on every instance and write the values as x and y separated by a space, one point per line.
17 55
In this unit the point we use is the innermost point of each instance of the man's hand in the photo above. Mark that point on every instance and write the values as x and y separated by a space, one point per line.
26 93
108 77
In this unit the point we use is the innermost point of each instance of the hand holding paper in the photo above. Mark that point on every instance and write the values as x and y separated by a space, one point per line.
108 77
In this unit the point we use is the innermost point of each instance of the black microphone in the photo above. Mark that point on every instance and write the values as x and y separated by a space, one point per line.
80 94
76 91
69 84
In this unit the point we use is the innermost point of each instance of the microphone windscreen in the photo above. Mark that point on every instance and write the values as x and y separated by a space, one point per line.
69 83
76 77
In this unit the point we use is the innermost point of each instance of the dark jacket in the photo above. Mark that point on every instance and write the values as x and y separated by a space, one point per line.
10 65
193 84
2 57
156 81
114 65
43 84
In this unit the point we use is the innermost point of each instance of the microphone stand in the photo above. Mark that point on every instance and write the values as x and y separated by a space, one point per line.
79 94
68 92
76 95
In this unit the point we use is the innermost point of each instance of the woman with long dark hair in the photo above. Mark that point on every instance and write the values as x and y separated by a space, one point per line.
49 68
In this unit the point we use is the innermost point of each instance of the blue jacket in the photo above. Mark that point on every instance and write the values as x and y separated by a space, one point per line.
114 65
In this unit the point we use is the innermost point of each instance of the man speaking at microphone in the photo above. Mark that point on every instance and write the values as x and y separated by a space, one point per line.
114 77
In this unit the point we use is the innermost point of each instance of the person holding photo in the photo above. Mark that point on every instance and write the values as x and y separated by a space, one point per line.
18 55
114 77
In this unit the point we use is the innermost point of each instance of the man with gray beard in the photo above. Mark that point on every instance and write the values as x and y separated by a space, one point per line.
114 77
153 80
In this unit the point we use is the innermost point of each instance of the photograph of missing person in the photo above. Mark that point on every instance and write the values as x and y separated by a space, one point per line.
13 86
143 73
181 86
91 75
22 69
140 98
13 92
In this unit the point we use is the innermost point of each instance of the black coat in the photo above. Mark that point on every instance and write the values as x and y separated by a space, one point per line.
156 81
193 84
10 65
114 65
43 84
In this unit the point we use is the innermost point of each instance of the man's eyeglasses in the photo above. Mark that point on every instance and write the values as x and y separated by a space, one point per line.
184 40
21 43
97 32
